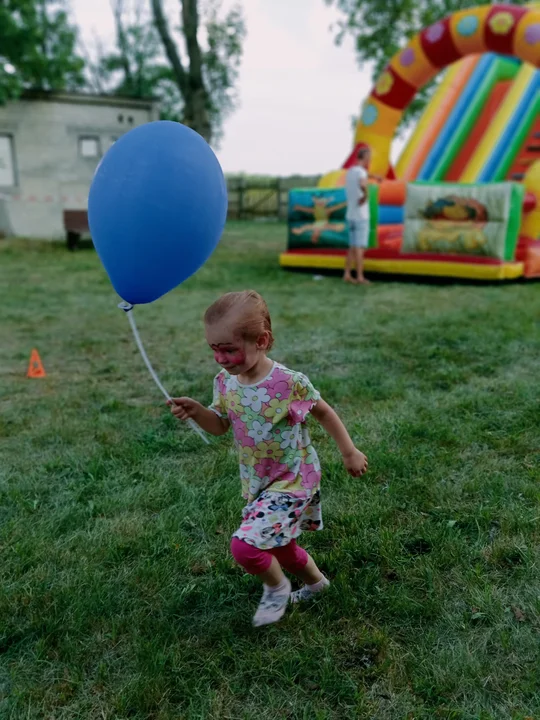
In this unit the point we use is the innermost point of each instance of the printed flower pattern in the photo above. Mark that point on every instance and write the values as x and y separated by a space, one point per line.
276 518
240 432
313 459
276 409
235 404
279 385
249 417
260 431
246 455
310 477
280 391
269 450
249 476
299 409
254 398
289 438
269 470
268 421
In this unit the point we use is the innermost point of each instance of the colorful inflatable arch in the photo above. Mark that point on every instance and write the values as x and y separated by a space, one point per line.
436 214
502 29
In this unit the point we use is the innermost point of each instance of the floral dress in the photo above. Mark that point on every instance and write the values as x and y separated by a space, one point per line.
279 468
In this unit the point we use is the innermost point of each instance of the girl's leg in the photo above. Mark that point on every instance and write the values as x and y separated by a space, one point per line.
257 562
311 574
273 577
277 589
296 561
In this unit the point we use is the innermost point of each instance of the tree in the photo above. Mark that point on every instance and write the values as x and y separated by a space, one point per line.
382 27
37 48
204 76
137 67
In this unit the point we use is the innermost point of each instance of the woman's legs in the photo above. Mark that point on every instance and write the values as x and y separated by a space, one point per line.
359 262
349 265
361 245
355 259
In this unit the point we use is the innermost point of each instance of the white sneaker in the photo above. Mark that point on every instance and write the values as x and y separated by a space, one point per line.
305 593
273 605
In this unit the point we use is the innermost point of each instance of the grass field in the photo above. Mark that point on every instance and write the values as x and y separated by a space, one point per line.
118 597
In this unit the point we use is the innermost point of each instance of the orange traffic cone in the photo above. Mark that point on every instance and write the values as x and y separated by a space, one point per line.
35 367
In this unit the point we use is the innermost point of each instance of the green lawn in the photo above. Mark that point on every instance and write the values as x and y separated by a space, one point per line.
118 596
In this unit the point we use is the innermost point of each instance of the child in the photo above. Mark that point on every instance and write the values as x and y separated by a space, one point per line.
267 405
356 183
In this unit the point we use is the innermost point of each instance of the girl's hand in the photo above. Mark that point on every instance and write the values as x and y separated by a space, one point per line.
184 408
355 462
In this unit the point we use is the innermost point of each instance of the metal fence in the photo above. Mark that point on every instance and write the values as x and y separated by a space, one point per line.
251 198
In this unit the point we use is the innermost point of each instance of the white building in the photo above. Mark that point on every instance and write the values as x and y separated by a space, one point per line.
50 145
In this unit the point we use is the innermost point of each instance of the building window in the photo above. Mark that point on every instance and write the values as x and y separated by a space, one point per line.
7 164
89 147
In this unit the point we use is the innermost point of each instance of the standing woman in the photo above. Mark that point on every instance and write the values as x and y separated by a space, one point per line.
358 215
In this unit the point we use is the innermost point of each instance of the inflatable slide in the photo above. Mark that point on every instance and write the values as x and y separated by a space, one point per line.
464 198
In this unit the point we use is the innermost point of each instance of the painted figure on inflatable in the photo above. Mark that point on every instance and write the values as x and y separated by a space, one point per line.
464 198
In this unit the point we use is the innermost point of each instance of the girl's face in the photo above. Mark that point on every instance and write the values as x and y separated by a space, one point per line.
236 355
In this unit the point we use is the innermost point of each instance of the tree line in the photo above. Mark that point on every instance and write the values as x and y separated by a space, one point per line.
186 53
188 59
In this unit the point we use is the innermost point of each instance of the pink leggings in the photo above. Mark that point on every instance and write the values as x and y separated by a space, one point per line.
291 557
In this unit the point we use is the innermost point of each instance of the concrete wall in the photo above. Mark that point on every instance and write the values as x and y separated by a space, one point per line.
50 173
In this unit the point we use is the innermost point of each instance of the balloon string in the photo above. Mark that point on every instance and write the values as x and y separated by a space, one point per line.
128 309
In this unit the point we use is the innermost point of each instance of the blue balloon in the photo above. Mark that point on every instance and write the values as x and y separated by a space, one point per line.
157 208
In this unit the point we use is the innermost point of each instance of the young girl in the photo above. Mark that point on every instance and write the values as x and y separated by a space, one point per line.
267 406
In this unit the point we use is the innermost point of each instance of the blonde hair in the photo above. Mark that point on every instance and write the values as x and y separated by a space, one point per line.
252 314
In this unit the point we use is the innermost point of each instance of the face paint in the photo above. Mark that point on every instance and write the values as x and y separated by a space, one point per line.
238 358
229 356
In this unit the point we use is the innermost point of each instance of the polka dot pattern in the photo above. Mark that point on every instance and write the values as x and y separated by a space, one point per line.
407 57
384 84
501 23
370 115
511 30
435 32
532 34
467 26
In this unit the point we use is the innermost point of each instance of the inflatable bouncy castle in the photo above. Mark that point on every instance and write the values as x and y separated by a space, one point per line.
464 198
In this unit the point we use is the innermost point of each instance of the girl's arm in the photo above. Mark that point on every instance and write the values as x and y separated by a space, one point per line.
184 408
355 461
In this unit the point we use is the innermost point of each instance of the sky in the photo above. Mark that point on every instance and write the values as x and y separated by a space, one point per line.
298 90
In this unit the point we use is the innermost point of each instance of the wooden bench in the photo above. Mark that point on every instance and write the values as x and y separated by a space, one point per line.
75 225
